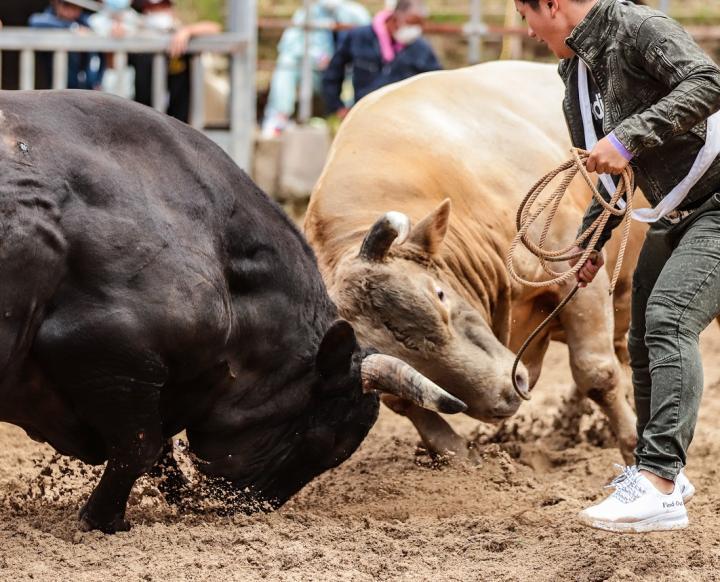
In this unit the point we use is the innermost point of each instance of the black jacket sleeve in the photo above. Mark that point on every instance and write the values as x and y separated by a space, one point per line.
430 63
334 75
668 53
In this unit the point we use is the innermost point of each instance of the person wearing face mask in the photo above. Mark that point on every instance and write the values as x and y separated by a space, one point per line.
159 16
388 50
115 18
287 74
85 70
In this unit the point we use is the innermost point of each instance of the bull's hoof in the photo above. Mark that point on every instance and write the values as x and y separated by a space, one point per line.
87 523
473 457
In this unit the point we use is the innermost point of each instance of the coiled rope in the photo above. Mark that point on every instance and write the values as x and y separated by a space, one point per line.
526 218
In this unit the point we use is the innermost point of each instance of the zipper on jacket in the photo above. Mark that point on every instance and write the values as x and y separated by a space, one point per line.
664 60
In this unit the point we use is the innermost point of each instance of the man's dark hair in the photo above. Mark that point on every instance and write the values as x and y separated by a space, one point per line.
407 5
535 3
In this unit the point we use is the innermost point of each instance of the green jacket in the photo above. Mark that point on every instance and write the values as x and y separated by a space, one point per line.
658 87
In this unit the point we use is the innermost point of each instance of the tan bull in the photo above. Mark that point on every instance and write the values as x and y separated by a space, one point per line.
455 152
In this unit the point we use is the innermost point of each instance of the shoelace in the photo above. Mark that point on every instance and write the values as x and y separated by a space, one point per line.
627 487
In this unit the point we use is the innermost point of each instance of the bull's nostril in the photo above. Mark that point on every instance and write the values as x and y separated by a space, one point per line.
521 385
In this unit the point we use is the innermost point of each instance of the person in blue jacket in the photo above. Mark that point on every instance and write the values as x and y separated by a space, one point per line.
388 50
85 70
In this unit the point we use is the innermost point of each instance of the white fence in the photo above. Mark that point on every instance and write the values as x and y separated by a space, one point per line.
239 45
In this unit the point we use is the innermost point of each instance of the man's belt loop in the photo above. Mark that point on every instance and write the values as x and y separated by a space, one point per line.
676 216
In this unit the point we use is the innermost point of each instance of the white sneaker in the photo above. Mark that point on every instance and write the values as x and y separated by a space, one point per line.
687 489
636 506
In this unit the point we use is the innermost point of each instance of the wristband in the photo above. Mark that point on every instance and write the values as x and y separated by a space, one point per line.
620 147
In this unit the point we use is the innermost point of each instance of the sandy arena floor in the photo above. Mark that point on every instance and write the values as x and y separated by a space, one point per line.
386 514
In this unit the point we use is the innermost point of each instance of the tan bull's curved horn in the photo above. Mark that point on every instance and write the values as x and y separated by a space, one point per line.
393 376
390 227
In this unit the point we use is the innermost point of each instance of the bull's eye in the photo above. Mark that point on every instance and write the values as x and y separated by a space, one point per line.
440 293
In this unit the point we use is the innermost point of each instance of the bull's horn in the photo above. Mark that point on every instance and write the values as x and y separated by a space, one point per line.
393 376
389 227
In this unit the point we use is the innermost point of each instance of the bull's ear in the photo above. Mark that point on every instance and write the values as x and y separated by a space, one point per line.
336 349
391 227
430 232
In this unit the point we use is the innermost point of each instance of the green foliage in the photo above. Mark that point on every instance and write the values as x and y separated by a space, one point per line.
193 10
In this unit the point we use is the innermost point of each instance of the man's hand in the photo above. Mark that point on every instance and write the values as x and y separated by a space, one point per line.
322 62
591 267
606 159
118 29
179 42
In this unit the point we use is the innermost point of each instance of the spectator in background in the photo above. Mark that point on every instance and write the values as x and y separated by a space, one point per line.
85 70
115 18
390 49
159 16
287 75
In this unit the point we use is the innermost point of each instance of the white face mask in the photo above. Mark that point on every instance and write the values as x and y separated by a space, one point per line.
408 34
330 5
160 20
117 5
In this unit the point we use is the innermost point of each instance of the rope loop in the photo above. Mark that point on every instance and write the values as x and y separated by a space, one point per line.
530 211
526 217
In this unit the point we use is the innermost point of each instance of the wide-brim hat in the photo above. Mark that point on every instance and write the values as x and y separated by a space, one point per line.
87 4
141 5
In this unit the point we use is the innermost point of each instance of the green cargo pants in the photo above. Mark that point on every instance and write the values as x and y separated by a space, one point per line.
676 294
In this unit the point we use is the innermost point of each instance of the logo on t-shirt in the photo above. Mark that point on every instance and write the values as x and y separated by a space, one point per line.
598 108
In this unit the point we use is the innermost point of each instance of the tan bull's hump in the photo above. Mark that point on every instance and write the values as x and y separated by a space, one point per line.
380 162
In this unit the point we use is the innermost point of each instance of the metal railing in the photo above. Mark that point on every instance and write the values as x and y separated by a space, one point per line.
239 46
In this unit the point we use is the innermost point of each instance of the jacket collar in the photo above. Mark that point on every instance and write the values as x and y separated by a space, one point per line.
589 37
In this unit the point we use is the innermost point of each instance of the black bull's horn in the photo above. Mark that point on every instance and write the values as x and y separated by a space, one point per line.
392 376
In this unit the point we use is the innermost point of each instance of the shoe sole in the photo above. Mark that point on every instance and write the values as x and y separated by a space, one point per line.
665 522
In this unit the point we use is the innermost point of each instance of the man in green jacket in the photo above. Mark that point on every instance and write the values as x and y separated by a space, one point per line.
640 91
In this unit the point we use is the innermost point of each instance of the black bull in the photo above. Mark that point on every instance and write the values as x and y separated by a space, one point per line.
148 286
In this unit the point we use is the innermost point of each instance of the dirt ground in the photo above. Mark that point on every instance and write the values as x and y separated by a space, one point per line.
386 514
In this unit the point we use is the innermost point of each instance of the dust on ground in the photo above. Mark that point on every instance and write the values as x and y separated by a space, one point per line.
389 513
